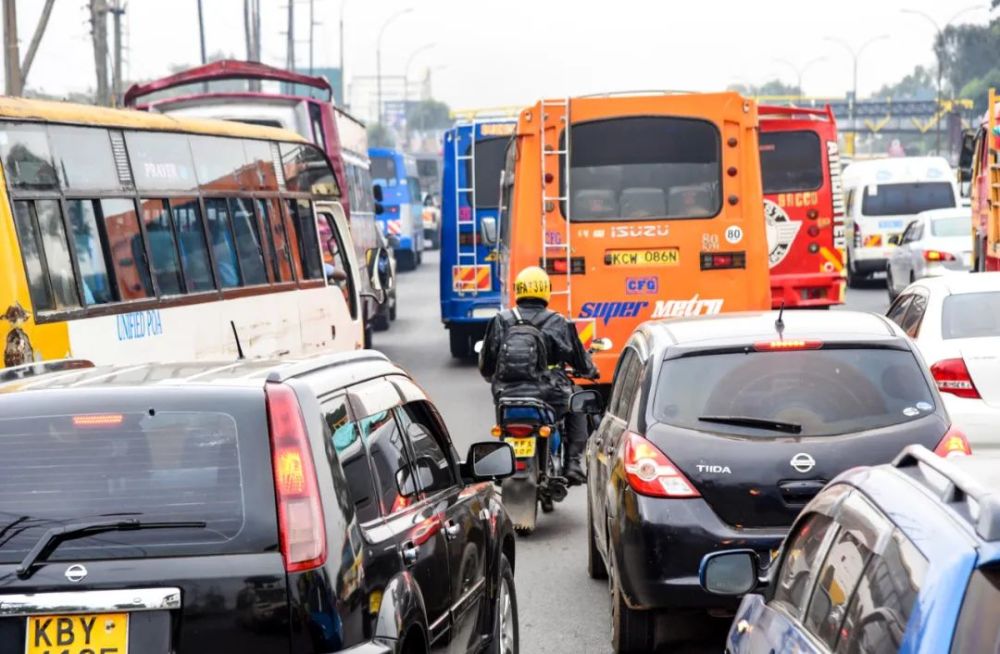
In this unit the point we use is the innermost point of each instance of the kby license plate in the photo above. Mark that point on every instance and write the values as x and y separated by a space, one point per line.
657 257
524 448
106 633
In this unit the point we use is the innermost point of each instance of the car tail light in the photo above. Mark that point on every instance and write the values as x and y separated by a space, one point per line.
650 472
953 377
937 255
301 529
723 260
782 345
518 430
953 444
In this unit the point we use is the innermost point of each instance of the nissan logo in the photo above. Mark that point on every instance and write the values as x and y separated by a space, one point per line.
76 573
802 462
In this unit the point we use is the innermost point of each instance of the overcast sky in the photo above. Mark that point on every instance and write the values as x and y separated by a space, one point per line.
511 52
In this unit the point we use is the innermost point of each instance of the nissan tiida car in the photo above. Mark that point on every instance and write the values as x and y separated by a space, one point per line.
719 431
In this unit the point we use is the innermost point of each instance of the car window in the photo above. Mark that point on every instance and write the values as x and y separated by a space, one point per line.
803 552
908 198
960 226
914 314
971 315
877 617
434 471
909 234
394 474
899 307
623 376
818 392
349 445
978 628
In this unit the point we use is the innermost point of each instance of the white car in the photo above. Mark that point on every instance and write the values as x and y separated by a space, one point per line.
955 321
935 243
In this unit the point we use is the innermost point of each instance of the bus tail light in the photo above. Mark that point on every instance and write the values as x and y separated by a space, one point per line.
951 376
650 472
557 265
937 255
301 529
953 444
723 260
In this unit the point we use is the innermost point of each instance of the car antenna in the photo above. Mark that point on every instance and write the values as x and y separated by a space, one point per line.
236 337
779 324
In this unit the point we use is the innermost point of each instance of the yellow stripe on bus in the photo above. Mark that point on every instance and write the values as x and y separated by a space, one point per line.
833 258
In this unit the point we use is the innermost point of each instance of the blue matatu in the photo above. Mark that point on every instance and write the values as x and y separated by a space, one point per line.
401 221
470 285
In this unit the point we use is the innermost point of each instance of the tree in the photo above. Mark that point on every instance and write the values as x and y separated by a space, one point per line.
379 136
428 114
774 87
918 85
968 52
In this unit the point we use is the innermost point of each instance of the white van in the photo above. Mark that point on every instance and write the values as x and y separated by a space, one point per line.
882 197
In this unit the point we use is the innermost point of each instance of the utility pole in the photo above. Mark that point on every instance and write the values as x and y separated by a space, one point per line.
116 84
312 25
343 77
251 27
12 55
290 47
99 32
201 33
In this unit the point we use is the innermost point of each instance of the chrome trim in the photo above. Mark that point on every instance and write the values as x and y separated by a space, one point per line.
90 601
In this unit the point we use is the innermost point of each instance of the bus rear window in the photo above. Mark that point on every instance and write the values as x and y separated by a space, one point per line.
383 168
641 168
489 162
790 161
906 199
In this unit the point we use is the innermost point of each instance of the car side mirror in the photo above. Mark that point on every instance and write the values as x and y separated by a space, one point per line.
392 241
729 572
588 402
488 461
405 483
488 231
377 192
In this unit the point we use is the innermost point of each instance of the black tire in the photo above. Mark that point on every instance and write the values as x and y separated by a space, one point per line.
889 284
505 615
380 322
420 258
459 341
406 260
392 306
369 328
632 632
854 279
595 564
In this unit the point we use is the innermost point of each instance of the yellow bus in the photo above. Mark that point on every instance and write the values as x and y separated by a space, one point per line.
131 237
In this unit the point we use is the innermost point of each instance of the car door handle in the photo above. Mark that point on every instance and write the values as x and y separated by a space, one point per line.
410 552
452 530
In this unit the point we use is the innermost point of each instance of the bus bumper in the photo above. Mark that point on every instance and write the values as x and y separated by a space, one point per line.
807 290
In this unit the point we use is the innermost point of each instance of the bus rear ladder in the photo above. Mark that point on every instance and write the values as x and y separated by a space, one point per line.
556 244
466 254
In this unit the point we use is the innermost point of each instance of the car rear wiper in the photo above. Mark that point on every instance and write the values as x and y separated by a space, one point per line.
53 537
760 423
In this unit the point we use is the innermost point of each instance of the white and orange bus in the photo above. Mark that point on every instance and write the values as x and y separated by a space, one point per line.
639 207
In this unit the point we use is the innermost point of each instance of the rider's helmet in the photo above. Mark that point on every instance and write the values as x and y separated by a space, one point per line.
532 282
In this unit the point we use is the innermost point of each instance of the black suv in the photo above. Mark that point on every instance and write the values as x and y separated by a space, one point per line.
311 506
720 430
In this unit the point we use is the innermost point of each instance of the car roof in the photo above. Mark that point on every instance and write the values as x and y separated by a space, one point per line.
896 170
962 283
740 328
949 212
349 367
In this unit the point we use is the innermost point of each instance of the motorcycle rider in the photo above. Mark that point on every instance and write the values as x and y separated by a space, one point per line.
561 346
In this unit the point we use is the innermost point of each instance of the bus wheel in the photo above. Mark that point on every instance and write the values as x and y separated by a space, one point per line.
406 260
854 278
458 338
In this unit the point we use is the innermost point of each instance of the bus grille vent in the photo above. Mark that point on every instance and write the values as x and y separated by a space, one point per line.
121 160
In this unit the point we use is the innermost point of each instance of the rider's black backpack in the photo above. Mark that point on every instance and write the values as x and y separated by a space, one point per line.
523 356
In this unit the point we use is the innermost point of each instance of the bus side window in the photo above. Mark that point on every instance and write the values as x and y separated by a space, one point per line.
193 246
51 283
165 264
128 258
281 263
90 252
248 245
305 235
221 235
340 274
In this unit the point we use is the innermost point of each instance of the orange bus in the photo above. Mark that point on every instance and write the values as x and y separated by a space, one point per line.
639 207
803 206
985 189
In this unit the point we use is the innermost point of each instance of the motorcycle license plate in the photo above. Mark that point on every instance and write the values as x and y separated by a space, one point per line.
524 448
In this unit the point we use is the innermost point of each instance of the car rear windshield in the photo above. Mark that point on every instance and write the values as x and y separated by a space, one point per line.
961 226
971 315
149 465
790 161
906 199
822 392
643 168
490 155
383 168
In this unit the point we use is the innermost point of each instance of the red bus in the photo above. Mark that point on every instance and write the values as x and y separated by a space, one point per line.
803 206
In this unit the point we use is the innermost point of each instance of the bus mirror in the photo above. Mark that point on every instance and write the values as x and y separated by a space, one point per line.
377 192
965 156
379 209
380 270
488 231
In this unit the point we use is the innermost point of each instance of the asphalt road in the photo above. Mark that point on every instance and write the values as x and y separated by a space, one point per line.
561 610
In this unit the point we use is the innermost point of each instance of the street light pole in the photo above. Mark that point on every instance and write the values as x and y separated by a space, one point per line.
406 88
378 58
855 55
800 70
939 36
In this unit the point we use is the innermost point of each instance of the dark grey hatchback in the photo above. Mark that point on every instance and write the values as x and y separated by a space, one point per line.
720 430
313 506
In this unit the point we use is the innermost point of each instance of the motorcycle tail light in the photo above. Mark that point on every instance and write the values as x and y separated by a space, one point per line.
519 431
650 472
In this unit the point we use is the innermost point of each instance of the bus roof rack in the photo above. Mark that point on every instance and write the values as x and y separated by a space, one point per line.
617 94
964 495
764 110
297 368
36 368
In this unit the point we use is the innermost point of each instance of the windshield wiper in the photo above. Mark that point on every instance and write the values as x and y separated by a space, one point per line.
51 539
759 423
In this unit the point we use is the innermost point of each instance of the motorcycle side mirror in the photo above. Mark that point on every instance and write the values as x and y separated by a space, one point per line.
587 402
601 345
488 461
478 347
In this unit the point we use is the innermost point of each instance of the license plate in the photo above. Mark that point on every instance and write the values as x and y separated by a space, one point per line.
657 257
524 448
106 633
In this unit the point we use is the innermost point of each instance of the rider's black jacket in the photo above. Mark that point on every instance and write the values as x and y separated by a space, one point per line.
563 346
